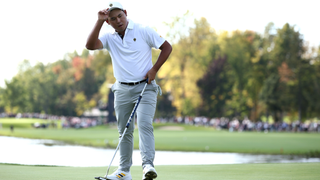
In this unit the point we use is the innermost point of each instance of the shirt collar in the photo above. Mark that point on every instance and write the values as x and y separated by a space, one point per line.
130 24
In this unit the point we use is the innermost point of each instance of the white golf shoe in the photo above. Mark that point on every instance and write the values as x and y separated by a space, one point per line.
119 175
149 173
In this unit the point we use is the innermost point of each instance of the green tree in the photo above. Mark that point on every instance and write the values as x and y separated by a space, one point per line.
242 50
310 86
260 72
55 88
14 96
39 82
102 67
287 59
165 108
2 104
215 89
270 95
187 64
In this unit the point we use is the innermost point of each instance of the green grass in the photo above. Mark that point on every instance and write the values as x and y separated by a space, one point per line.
22 123
190 139
299 171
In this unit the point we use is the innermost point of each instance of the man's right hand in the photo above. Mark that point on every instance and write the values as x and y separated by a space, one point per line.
103 14
93 41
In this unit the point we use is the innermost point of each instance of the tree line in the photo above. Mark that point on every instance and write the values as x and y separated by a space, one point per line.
209 73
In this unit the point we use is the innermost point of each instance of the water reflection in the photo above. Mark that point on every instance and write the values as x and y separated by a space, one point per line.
48 152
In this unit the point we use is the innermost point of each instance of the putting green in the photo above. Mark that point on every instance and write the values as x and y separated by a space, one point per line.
298 171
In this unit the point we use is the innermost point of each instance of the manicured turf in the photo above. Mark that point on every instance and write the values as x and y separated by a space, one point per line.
299 171
192 139
22 123
178 137
182 138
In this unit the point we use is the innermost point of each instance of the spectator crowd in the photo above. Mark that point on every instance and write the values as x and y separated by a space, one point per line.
246 124
66 121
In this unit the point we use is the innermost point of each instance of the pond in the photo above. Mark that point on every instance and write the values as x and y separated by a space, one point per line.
48 152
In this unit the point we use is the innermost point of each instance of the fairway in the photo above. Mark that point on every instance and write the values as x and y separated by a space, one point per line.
23 122
187 138
299 171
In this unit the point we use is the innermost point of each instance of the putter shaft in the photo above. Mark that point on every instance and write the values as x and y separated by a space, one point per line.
125 130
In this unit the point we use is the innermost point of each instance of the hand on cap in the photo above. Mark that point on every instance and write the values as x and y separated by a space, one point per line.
103 14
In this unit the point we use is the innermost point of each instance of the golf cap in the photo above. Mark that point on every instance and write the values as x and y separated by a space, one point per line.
115 5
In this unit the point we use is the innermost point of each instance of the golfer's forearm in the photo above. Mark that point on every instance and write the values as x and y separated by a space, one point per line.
92 40
166 50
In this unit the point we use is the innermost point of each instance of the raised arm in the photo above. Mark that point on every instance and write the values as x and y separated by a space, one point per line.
93 41
166 49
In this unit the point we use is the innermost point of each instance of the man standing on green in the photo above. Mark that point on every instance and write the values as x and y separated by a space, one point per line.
130 49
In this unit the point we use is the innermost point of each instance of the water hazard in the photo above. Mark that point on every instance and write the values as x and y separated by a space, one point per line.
48 152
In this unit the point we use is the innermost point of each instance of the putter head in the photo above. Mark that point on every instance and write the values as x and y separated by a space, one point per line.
101 178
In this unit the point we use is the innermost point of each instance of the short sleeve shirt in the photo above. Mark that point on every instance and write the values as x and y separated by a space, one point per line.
131 56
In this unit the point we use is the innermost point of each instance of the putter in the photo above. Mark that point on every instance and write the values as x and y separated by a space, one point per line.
125 130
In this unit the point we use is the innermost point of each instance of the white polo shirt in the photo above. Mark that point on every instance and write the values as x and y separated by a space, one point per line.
131 56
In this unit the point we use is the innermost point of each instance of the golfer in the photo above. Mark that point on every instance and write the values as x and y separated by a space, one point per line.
130 49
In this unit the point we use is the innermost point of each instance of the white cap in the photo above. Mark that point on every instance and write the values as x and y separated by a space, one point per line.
115 5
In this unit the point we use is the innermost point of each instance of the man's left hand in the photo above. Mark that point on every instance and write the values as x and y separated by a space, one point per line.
151 75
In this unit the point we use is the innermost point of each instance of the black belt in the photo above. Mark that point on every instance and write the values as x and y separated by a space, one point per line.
133 83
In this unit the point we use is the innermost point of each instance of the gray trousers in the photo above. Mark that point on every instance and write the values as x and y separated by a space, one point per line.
125 99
